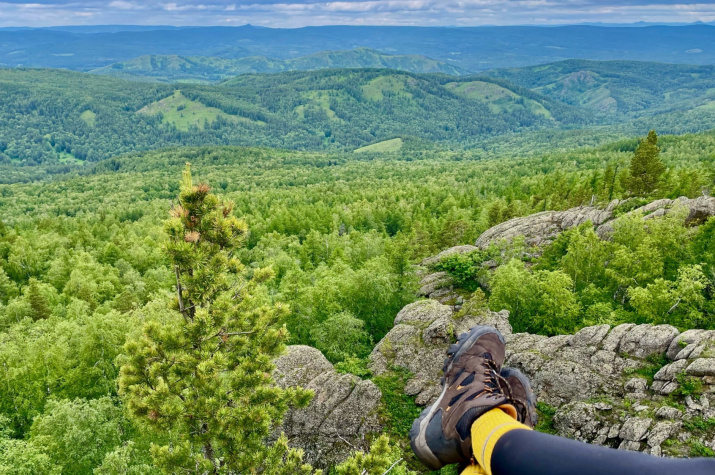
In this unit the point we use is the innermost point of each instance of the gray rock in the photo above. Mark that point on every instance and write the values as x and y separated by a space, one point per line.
498 320
702 367
662 431
590 336
417 342
572 419
635 429
671 371
636 385
550 346
647 340
630 445
667 412
542 228
299 366
613 339
683 345
422 313
560 381
432 283
695 211
439 331
343 409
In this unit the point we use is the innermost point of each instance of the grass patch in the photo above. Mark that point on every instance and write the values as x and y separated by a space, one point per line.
499 99
393 145
655 363
65 157
183 113
481 91
699 425
546 418
376 89
400 410
318 101
688 386
700 450
354 365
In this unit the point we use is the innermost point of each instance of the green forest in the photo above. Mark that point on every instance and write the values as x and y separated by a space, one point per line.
129 285
62 119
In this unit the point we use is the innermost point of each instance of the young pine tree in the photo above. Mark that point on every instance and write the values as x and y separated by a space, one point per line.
38 302
646 167
201 374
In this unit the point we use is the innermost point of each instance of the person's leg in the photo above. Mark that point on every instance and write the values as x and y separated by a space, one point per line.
501 448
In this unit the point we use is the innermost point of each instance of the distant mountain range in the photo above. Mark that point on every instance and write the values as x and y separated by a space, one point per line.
201 69
626 88
470 49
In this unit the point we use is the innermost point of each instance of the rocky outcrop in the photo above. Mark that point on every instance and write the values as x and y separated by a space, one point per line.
540 229
342 411
695 212
632 387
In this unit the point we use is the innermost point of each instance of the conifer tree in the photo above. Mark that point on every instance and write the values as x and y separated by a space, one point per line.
201 373
38 302
646 167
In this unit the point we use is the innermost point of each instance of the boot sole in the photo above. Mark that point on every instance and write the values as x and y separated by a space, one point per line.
418 441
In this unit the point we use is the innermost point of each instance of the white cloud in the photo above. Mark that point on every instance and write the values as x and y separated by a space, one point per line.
124 5
296 13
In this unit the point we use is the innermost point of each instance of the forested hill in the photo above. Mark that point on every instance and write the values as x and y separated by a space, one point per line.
473 49
50 115
173 68
62 116
632 88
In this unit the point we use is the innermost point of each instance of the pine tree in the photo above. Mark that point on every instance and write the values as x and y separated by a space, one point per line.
609 181
38 303
646 167
201 374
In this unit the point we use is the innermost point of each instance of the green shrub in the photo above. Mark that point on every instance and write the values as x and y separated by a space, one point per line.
546 418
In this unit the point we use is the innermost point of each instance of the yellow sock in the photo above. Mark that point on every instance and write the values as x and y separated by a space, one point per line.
474 470
486 432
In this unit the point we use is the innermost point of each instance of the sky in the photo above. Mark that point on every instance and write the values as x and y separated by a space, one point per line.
298 13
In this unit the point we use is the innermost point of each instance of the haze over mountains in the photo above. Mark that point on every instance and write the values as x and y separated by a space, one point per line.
170 68
470 49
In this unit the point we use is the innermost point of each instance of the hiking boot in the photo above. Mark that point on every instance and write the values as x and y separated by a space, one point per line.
521 395
472 387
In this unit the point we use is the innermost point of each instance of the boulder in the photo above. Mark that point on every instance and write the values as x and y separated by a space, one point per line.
702 367
643 341
635 429
343 409
542 228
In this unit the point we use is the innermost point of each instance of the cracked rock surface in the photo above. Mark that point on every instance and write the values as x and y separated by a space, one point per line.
342 411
